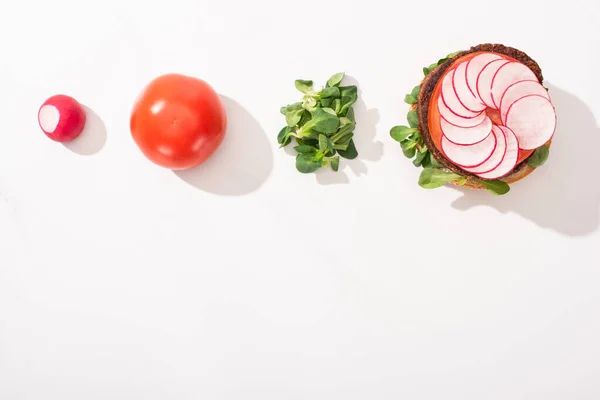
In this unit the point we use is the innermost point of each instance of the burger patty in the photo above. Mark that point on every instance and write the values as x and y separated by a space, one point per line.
430 81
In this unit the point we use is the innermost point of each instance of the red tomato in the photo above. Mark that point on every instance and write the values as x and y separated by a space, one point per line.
178 121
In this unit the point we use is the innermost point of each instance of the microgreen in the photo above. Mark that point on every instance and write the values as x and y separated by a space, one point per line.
496 187
335 80
427 70
350 153
539 157
412 97
309 162
322 124
284 137
304 86
401 133
431 178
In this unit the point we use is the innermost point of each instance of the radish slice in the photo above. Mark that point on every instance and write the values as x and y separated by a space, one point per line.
497 156
533 120
451 100
462 91
455 119
510 157
484 81
466 136
474 67
518 90
469 156
506 76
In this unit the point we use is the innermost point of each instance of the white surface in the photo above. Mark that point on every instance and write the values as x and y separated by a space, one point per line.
247 280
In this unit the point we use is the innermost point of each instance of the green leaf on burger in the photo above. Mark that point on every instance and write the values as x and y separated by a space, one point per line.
539 157
413 96
418 161
401 133
409 149
409 99
426 163
434 178
413 119
496 187
435 163
415 91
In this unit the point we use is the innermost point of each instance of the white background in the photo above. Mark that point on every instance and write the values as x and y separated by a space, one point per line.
244 279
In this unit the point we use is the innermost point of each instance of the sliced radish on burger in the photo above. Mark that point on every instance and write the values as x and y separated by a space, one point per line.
506 76
451 99
533 120
462 91
474 67
466 136
455 119
510 157
484 81
518 90
497 155
469 155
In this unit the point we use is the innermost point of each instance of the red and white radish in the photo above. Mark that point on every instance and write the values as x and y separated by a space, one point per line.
462 91
474 67
533 120
451 100
484 81
469 155
497 155
510 157
466 136
506 76
61 118
518 90
455 119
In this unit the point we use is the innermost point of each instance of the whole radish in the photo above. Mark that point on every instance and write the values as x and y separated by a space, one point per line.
62 118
